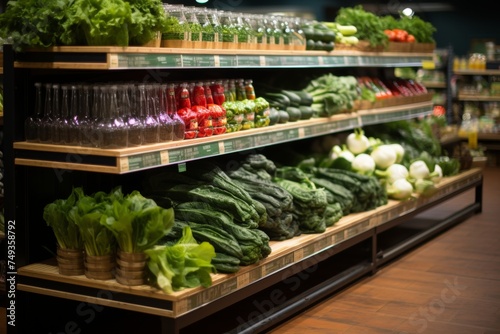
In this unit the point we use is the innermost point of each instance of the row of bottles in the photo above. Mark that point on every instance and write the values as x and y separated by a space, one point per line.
194 27
104 115
128 114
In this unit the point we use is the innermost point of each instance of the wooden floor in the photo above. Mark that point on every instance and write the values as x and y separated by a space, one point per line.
450 284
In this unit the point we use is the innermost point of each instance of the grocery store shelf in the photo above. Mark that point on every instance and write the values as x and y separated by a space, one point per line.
479 98
119 161
286 258
476 72
105 58
434 84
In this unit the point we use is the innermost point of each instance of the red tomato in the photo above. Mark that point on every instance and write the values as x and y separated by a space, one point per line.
400 35
410 38
390 34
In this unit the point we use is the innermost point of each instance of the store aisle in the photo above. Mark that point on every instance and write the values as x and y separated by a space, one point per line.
451 284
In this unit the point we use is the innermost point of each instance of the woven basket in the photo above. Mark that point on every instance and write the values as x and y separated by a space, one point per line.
399 47
423 47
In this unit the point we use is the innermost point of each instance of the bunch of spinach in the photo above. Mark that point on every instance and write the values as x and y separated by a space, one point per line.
185 264
369 25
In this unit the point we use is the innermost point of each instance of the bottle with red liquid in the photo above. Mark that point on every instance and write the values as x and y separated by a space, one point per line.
185 112
217 89
205 128
208 93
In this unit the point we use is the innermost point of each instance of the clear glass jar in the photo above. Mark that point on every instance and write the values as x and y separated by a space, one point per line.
207 30
195 29
177 31
229 31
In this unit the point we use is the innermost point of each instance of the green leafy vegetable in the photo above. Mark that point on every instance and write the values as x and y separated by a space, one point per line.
87 214
370 26
186 264
137 222
56 215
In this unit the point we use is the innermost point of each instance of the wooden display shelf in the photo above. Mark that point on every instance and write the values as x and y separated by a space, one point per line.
434 84
479 98
107 58
477 72
43 278
119 161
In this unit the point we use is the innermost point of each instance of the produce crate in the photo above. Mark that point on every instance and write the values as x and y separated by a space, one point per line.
366 47
423 47
399 47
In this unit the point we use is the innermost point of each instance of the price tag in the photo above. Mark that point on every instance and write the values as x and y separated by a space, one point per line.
113 60
428 65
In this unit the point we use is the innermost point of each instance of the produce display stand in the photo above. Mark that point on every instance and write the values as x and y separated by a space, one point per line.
287 257
29 164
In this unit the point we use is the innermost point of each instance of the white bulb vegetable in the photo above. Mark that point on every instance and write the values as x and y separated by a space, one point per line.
418 170
395 172
357 142
384 156
400 152
400 189
363 164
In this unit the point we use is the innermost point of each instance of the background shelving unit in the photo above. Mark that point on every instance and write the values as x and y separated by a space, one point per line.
45 172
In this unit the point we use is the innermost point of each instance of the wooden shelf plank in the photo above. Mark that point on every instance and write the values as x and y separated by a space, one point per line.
104 58
119 161
477 72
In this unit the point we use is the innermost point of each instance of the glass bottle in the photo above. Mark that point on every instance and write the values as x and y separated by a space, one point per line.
63 126
166 123
147 107
33 123
56 114
240 90
112 126
74 135
84 118
132 116
249 89
171 106
94 135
